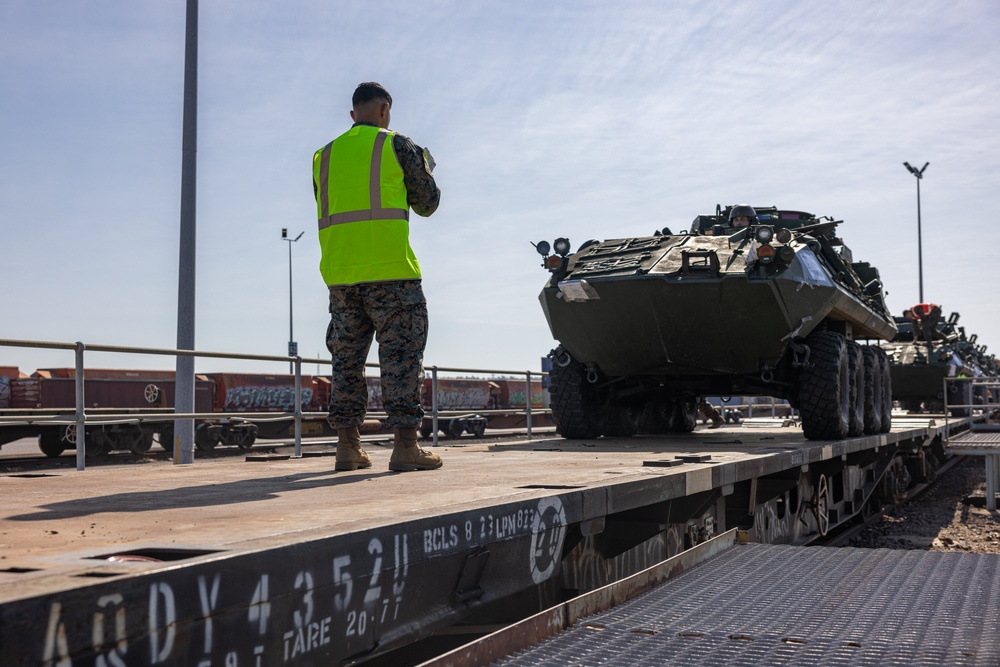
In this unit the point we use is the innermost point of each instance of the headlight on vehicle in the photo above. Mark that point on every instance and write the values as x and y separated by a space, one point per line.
786 254
783 235
765 252
553 262
764 234
561 246
543 248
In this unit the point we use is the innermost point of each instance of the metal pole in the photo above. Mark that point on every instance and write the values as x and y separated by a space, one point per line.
291 337
527 401
184 386
919 175
81 410
434 403
298 404
920 245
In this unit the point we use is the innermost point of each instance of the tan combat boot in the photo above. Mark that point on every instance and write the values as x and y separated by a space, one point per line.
408 455
350 456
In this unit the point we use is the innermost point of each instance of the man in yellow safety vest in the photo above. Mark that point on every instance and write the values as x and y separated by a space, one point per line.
365 181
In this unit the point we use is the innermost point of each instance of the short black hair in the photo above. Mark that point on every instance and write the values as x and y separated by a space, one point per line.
368 91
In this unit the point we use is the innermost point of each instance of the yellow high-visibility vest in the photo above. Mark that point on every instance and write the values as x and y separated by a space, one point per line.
364 229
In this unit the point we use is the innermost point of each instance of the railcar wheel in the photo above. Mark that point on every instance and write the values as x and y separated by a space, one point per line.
856 380
478 428
456 427
873 389
821 505
51 444
206 438
576 404
824 389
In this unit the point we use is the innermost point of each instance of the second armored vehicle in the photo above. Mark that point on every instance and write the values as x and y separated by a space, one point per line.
647 325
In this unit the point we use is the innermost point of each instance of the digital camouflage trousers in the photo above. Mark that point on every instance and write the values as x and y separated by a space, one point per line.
395 314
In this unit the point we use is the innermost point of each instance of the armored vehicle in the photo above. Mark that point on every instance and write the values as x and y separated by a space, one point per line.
919 365
647 325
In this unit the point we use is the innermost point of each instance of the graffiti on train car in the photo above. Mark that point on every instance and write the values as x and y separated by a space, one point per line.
249 398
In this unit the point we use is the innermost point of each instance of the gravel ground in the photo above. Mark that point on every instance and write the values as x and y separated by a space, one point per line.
941 519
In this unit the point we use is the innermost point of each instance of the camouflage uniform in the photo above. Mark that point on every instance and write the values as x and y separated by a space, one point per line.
396 313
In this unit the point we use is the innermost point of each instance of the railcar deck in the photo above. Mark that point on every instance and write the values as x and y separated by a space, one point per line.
284 561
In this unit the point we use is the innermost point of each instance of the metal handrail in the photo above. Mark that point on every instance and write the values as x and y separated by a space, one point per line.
81 419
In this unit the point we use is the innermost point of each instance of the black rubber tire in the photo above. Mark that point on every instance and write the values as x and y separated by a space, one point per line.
886 402
576 405
873 389
621 421
51 444
824 388
856 378
656 417
684 415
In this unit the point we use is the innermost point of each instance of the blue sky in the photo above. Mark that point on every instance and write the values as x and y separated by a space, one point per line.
578 119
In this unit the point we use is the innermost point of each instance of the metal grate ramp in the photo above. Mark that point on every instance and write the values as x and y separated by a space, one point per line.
760 604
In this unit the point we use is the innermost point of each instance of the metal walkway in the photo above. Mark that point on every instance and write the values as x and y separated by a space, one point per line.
757 604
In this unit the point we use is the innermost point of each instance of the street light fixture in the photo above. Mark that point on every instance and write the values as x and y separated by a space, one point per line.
293 348
919 174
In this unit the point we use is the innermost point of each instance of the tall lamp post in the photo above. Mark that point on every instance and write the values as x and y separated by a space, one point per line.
919 174
293 349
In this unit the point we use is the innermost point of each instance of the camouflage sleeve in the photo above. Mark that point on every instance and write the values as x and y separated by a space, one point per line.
422 193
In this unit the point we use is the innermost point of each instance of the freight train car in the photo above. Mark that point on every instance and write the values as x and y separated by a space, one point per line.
52 392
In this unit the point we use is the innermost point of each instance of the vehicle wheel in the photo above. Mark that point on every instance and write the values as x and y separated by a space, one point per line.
886 424
478 428
656 417
959 391
684 415
576 404
621 421
873 389
426 431
824 389
856 379
51 444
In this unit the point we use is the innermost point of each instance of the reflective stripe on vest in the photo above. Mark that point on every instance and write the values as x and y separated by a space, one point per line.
362 211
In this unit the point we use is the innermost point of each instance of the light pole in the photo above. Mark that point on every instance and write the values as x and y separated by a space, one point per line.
919 174
293 349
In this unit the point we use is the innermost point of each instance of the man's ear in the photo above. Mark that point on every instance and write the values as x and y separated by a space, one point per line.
352 116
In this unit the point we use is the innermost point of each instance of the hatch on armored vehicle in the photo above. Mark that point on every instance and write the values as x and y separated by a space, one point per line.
647 325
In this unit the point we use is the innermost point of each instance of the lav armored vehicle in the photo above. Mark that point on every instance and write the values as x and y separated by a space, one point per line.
647 325
918 367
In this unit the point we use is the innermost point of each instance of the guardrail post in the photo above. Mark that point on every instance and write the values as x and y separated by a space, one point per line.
81 410
527 402
434 402
298 406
